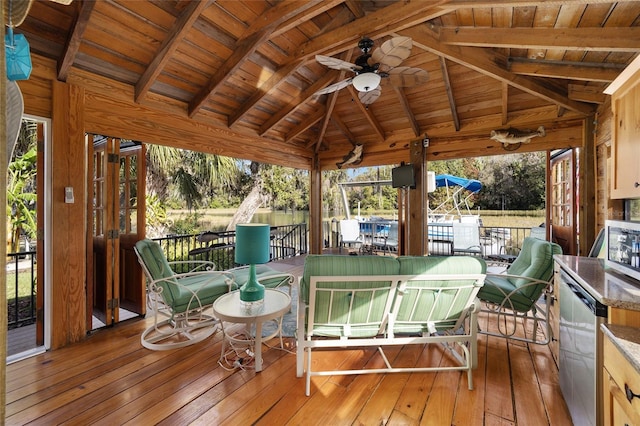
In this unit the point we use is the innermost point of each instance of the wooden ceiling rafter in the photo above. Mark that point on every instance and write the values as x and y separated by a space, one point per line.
240 54
170 44
478 59
449 90
582 39
287 69
406 109
283 15
72 44
331 103
304 125
572 71
589 94
505 103
337 121
247 44
382 22
366 111
297 102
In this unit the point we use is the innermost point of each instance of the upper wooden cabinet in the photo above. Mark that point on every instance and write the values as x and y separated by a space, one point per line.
625 144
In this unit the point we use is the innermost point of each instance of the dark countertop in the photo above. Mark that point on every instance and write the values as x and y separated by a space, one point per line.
607 286
627 340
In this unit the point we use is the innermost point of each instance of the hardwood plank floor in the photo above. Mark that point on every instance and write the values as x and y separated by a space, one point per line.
111 379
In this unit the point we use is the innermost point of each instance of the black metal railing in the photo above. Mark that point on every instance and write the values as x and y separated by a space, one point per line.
21 289
286 241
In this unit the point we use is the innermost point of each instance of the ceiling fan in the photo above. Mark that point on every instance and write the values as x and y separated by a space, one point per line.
371 68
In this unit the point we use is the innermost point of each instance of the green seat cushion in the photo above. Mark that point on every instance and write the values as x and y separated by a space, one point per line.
443 308
207 285
322 265
177 291
494 290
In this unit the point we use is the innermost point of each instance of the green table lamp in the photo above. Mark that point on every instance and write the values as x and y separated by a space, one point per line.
252 247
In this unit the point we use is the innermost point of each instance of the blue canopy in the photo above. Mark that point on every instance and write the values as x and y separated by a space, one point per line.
471 185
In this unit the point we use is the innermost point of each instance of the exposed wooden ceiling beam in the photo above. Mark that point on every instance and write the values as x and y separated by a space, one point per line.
73 42
247 44
284 15
406 108
382 22
475 4
447 87
375 124
575 71
240 54
484 62
276 78
582 39
298 101
586 94
331 103
343 128
505 103
175 36
290 68
305 125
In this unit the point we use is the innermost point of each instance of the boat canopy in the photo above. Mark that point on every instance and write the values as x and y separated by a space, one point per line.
470 185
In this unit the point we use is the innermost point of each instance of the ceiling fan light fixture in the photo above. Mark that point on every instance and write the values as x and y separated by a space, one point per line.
366 81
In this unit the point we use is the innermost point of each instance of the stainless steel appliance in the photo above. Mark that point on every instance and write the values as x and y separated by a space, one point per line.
623 247
580 351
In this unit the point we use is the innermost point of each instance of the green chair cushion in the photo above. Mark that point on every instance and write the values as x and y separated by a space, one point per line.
535 260
491 292
321 265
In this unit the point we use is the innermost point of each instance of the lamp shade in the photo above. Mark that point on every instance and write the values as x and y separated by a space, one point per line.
252 243
366 81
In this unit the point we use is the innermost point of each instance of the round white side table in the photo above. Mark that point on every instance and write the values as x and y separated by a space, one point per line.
228 308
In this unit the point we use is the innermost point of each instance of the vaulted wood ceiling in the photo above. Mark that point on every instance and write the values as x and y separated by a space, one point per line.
249 66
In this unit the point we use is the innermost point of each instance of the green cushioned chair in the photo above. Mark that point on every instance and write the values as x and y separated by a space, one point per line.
180 299
518 293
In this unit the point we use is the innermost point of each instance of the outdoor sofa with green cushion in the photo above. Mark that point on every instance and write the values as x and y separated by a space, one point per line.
519 292
376 301
183 298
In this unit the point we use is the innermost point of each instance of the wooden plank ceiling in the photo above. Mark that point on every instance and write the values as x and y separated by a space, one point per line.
249 66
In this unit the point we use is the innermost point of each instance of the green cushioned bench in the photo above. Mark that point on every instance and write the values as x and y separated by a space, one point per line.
355 301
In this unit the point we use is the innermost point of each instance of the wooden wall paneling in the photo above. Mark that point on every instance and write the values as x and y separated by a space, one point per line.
68 220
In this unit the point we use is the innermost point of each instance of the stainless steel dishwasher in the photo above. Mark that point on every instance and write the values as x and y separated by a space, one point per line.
580 360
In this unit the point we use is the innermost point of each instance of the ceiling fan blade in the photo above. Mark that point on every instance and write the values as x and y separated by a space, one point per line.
15 11
392 52
408 77
369 97
337 64
334 87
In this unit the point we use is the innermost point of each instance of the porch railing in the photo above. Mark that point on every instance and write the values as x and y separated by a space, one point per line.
21 289
286 241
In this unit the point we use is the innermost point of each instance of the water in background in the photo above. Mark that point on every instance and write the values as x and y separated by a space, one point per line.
215 220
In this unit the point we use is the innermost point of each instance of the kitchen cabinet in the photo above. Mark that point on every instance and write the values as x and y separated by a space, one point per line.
621 382
625 143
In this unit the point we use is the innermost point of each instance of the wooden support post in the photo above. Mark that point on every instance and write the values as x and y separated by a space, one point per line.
315 209
417 220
